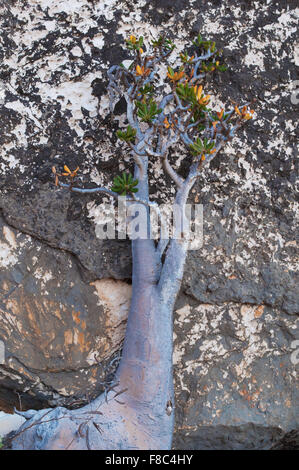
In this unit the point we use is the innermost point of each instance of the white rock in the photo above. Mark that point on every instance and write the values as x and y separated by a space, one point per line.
9 423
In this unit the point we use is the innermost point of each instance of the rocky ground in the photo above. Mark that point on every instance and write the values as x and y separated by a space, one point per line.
65 293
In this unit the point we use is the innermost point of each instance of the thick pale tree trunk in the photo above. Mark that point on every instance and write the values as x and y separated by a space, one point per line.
138 413
141 416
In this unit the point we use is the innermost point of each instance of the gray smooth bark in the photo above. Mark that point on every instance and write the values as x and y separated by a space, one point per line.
139 412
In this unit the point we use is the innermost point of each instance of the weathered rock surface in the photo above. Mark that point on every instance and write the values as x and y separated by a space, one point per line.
9 423
234 375
55 327
236 316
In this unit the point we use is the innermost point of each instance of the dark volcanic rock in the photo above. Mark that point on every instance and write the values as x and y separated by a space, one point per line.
235 328
246 437
57 217
235 373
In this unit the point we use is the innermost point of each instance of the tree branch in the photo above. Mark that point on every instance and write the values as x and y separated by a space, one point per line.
89 190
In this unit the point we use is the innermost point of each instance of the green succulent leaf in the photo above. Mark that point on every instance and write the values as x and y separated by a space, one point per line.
222 68
128 135
147 111
124 184
170 71
147 89
158 42
168 44
185 57
200 146
202 44
134 44
187 94
163 42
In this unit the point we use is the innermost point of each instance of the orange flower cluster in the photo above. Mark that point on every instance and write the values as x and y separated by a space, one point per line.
142 71
244 114
220 116
198 94
220 113
176 76
185 58
203 157
69 173
133 40
167 123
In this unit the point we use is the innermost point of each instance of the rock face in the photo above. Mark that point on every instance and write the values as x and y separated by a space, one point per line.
234 376
59 333
65 293
9 423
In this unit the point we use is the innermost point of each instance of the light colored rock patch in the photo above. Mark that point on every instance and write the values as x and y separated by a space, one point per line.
115 297
98 41
104 215
73 96
43 275
255 58
9 423
9 236
7 255
10 248
70 93
248 330
203 334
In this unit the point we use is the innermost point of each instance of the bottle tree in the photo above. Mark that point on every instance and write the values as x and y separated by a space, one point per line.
167 108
